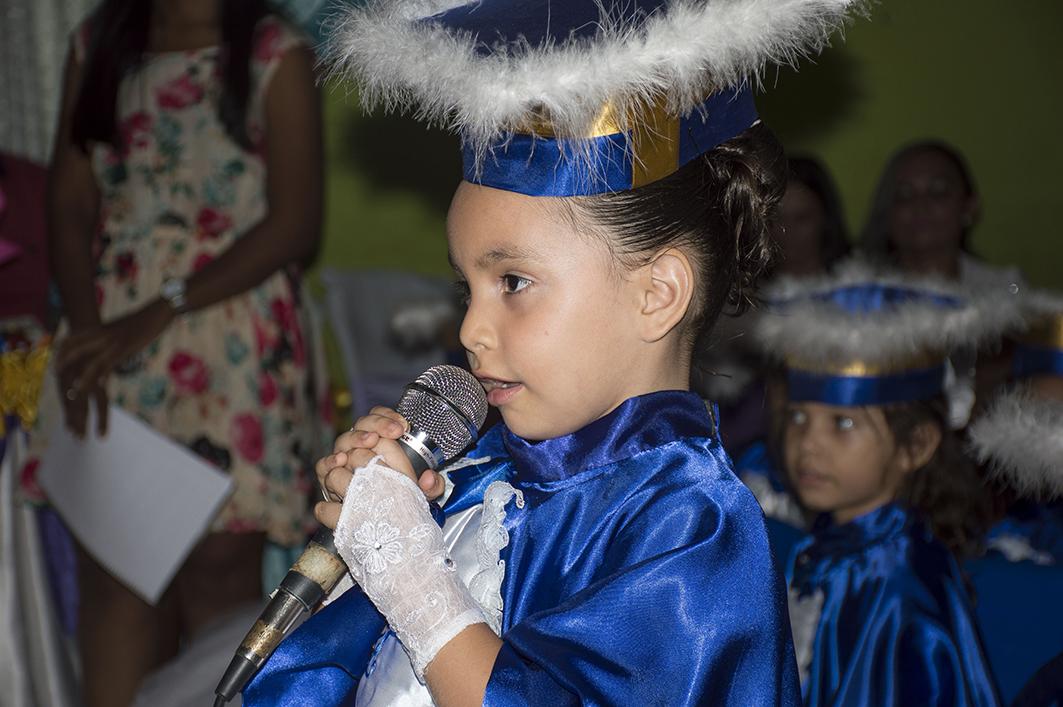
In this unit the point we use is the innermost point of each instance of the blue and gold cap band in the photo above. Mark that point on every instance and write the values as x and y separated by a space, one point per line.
538 163
1039 352
857 391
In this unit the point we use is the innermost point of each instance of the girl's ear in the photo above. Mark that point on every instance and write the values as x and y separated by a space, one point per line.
666 288
921 447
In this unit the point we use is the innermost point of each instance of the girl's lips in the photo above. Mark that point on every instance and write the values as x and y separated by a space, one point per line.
499 396
811 478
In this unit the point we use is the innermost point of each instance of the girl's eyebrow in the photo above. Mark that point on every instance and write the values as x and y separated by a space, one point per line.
502 253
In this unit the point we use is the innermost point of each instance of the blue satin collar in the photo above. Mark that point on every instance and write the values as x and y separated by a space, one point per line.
639 423
831 540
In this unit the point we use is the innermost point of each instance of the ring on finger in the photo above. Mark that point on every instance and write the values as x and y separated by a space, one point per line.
71 394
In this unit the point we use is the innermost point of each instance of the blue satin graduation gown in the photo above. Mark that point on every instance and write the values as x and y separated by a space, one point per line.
896 625
637 572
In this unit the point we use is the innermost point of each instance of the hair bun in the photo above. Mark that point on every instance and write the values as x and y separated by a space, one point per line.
747 175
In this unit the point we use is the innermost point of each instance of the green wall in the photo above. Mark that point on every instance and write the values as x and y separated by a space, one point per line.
982 74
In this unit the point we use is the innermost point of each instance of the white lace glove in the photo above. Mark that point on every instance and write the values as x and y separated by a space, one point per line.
395 552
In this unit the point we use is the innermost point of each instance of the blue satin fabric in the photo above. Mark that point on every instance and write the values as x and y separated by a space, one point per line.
896 626
543 166
522 23
855 391
637 572
1036 360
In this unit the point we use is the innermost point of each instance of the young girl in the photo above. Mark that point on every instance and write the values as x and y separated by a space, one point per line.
880 611
597 547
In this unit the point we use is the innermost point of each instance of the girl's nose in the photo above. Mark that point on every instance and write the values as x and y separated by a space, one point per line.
476 333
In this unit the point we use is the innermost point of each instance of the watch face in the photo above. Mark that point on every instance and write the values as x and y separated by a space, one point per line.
172 289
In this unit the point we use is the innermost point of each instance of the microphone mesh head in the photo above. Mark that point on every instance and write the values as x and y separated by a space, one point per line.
434 407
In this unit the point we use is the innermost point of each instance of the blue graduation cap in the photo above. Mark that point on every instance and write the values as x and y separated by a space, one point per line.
578 97
864 339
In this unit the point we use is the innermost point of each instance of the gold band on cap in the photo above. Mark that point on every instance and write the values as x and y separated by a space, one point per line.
1046 333
653 137
864 369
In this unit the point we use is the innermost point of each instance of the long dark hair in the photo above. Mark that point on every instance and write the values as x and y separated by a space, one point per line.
117 43
834 239
949 493
875 239
719 208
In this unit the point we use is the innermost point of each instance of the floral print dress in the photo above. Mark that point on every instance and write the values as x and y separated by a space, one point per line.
230 381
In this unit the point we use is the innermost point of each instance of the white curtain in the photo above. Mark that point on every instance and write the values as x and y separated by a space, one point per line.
36 658
34 36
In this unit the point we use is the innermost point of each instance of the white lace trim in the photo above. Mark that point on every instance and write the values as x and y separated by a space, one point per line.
1016 548
491 538
804 620
459 464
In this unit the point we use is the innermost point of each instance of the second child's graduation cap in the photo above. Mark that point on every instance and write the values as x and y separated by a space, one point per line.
861 337
576 97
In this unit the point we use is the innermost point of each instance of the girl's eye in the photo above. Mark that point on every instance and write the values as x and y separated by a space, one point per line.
461 289
844 423
798 417
513 284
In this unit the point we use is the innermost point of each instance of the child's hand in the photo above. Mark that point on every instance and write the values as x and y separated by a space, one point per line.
372 434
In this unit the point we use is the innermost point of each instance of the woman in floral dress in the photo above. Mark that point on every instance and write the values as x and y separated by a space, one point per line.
185 198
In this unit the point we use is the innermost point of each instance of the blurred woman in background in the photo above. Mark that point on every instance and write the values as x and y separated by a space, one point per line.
922 214
185 198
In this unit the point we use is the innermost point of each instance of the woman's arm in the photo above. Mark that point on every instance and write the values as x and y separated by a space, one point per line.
73 201
73 207
291 230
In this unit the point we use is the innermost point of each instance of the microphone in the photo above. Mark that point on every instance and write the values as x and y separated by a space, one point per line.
445 407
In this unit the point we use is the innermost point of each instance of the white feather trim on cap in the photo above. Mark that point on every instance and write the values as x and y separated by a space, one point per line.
1020 438
1041 303
678 56
820 331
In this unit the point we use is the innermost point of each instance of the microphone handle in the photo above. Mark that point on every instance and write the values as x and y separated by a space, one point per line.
311 578
317 571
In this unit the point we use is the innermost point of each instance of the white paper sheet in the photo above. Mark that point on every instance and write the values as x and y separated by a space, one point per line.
135 499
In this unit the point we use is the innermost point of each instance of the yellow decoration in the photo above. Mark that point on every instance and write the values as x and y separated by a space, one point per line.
1046 333
22 373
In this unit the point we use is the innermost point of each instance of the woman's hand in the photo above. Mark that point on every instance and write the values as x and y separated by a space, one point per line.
86 358
374 434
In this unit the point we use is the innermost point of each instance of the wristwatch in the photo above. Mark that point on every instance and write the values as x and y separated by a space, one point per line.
173 291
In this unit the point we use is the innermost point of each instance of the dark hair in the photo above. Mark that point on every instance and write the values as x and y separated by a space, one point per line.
948 493
875 238
834 239
718 208
117 43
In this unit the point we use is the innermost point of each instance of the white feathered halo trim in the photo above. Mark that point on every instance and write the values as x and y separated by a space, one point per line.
1040 304
821 332
678 56
1020 439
